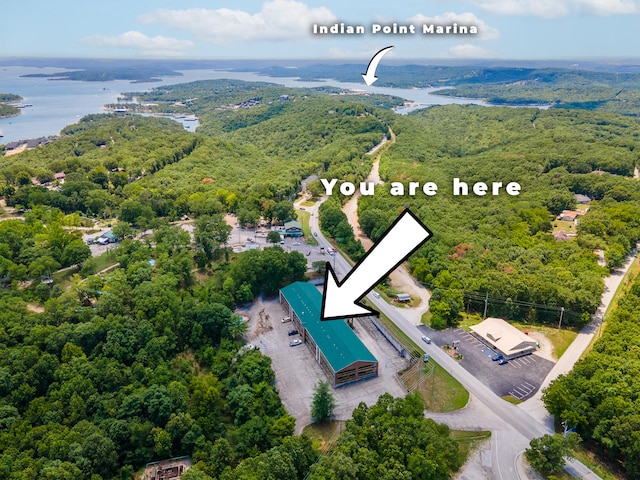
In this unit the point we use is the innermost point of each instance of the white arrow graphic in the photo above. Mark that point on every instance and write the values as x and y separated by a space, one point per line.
342 299
370 76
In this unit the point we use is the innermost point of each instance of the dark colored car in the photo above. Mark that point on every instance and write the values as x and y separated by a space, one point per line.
503 361
293 332
496 357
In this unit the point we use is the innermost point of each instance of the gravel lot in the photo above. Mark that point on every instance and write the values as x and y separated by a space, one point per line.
297 372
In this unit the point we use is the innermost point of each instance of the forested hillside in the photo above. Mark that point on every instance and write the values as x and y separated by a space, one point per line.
599 397
503 245
616 90
100 374
140 365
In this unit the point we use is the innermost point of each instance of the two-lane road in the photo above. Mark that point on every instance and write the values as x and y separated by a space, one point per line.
506 413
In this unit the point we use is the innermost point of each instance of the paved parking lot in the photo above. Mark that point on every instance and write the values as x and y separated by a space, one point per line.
297 372
520 378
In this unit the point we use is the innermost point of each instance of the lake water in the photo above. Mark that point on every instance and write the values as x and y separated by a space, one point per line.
58 103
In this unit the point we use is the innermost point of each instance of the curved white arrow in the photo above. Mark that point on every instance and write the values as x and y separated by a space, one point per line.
370 76
342 299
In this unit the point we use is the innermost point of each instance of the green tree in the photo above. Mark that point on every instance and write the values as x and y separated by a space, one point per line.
547 453
273 237
210 232
323 403
75 253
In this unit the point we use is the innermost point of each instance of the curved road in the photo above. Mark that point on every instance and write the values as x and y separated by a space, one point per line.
512 428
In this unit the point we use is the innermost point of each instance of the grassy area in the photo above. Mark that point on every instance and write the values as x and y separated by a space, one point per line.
560 338
561 226
63 279
308 203
511 399
468 440
105 260
303 218
324 435
441 392
469 319
604 471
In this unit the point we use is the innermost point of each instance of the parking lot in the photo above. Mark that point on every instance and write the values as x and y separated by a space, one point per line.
520 378
297 372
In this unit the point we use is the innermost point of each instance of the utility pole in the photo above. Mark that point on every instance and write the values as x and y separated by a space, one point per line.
561 314
486 305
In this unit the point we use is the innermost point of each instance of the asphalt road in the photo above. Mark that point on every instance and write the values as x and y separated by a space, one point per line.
521 422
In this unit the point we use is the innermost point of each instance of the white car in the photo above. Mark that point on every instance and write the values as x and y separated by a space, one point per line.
295 244
295 343
426 339
376 294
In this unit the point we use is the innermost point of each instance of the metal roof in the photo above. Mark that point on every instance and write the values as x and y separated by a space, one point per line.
338 343
292 224
504 336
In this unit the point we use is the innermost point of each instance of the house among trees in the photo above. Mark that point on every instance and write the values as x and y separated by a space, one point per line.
171 469
107 237
569 215
582 199
292 228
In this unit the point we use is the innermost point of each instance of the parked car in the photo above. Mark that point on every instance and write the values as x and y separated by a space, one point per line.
425 358
426 339
293 332
285 320
496 357
295 343
503 361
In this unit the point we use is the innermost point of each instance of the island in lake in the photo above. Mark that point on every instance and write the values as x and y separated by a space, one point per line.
7 110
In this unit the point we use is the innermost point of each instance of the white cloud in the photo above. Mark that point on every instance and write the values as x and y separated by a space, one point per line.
485 32
278 20
608 7
559 8
469 51
158 46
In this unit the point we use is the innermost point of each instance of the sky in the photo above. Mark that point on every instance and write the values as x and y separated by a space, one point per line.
282 29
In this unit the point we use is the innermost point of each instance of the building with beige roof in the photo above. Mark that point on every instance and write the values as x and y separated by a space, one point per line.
504 338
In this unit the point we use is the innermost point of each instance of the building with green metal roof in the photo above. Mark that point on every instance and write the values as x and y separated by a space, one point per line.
335 346
293 228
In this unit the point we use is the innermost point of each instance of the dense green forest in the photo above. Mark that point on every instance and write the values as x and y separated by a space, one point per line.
103 373
391 440
503 245
599 397
140 364
147 361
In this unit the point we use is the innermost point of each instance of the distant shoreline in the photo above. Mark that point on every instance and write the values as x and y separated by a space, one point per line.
7 110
